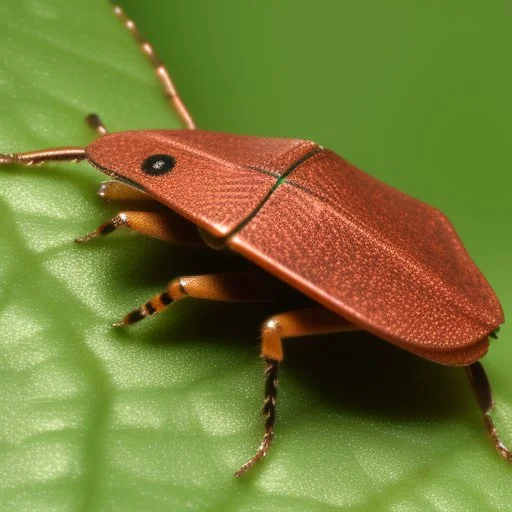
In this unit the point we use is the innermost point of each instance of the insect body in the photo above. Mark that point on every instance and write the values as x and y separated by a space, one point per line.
369 256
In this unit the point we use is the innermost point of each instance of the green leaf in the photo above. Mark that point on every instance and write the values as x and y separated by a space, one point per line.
160 416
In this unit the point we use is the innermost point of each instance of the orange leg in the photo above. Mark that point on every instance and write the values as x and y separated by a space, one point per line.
117 191
228 287
168 227
483 393
303 322
161 72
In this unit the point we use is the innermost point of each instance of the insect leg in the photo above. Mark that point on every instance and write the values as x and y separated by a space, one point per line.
302 322
117 191
161 71
167 227
483 394
227 287
95 122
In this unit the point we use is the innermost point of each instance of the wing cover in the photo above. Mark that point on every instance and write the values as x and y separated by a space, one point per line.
218 180
380 258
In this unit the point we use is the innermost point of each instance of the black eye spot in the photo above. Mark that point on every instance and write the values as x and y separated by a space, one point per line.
156 165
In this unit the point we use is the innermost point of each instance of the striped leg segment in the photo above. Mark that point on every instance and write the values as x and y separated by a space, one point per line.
154 305
303 322
169 228
228 287
482 389
161 72
269 413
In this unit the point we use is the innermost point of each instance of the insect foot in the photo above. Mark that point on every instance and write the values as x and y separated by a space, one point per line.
269 413
107 227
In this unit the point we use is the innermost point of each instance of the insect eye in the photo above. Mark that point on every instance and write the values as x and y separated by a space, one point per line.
156 165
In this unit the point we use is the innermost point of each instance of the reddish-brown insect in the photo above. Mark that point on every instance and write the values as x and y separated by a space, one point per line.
369 256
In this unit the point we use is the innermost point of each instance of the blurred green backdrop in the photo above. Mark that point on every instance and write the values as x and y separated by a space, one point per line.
158 418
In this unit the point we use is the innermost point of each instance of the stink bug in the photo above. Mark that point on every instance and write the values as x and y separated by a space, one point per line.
375 258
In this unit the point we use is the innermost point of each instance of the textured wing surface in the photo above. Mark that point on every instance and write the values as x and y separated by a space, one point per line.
218 179
269 153
380 258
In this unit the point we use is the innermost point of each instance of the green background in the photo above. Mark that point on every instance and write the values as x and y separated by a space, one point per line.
158 417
